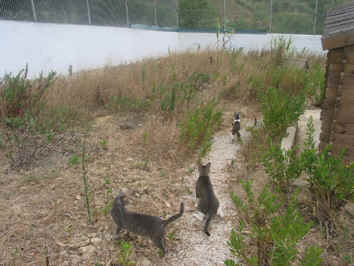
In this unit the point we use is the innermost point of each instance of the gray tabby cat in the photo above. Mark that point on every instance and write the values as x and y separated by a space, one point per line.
208 203
141 224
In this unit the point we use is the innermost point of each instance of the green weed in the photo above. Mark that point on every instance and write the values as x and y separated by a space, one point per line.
312 256
280 110
103 144
198 128
74 160
125 253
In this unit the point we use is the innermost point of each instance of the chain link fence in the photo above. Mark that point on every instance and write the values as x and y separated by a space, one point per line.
280 16
162 13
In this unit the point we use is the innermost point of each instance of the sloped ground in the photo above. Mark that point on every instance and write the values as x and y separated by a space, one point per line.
43 215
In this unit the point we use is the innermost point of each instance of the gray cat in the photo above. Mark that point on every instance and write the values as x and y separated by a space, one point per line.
208 203
141 224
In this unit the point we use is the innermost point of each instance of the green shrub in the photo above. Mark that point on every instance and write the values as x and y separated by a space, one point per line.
331 181
199 126
312 256
273 230
280 110
315 84
19 95
283 167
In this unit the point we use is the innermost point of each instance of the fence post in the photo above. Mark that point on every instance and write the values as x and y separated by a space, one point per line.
34 11
127 13
177 13
155 12
224 15
88 11
315 17
271 16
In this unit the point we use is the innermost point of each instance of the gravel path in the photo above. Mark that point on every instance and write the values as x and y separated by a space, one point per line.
195 248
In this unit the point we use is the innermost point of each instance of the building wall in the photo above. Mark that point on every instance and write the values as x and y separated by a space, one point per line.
338 108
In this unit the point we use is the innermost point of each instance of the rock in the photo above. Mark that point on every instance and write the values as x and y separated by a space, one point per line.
87 251
144 262
288 142
75 260
96 240
127 125
199 216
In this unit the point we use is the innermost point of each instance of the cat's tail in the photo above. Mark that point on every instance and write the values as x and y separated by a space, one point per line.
176 216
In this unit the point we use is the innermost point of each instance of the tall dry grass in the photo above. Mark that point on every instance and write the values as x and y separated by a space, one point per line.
172 86
232 75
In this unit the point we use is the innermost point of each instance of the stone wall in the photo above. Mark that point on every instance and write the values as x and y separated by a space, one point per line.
338 108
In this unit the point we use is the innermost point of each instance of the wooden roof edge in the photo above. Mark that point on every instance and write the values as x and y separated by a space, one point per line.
340 39
339 8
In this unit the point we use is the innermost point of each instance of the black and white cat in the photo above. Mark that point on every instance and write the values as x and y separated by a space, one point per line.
236 126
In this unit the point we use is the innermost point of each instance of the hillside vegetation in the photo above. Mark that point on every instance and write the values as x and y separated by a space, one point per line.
288 16
240 15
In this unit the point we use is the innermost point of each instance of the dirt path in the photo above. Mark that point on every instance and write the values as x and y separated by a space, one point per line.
195 248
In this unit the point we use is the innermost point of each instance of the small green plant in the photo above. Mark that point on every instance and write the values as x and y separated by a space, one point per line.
190 170
85 180
163 173
108 207
125 253
331 181
103 144
280 110
172 236
168 102
348 260
312 256
74 160
273 230
145 137
199 126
